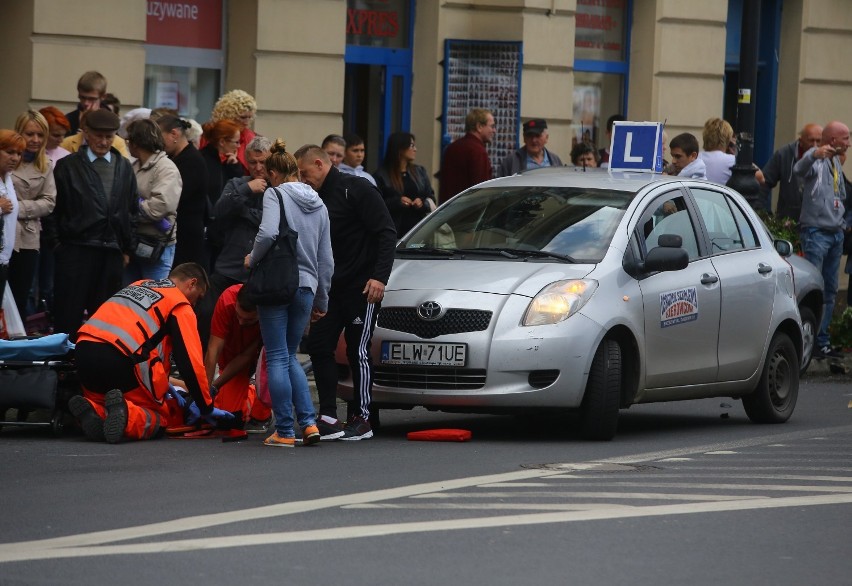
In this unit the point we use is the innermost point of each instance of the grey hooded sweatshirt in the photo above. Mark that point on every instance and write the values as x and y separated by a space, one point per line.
307 215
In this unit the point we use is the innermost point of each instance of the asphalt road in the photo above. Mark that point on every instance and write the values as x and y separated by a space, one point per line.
687 493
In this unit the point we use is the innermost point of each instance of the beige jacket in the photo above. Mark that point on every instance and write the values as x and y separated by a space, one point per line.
159 184
36 193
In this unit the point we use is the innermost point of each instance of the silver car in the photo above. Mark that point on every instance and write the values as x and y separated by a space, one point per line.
591 291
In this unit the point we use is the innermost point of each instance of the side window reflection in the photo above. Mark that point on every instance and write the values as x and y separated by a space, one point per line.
670 216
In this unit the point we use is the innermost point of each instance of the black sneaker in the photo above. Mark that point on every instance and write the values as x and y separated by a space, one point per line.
827 352
257 426
90 421
357 428
329 431
116 419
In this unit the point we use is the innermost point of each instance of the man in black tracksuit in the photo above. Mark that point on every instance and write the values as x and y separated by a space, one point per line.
363 237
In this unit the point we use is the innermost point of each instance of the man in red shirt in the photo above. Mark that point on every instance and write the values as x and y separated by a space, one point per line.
466 161
234 346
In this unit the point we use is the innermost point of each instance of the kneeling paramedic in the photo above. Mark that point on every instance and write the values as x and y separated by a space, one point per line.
123 358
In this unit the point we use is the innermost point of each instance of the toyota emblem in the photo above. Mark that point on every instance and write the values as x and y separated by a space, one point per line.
430 310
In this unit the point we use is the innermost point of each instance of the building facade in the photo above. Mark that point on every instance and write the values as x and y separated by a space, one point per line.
374 67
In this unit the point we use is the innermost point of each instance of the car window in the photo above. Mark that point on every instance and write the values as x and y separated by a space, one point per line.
726 224
571 221
669 215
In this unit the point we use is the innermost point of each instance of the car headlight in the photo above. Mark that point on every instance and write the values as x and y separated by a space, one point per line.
558 301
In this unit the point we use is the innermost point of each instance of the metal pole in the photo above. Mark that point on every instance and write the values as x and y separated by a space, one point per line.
742 174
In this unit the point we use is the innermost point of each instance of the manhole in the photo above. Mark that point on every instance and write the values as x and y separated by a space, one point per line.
592 467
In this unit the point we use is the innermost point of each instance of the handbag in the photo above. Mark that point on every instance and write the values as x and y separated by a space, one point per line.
274 279
151 248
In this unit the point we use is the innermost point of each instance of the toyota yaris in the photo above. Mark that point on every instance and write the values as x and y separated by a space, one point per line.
591 291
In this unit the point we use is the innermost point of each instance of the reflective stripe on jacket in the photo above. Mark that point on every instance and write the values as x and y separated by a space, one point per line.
148 321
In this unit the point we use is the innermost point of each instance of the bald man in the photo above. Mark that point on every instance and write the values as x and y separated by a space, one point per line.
779 171
823 220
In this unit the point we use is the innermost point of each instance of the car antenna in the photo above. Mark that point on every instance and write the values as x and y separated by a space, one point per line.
582 134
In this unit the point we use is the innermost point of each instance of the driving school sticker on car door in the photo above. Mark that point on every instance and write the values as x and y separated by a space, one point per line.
677 307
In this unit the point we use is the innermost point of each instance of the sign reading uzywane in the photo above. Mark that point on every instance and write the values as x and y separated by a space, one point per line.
636 146
192 23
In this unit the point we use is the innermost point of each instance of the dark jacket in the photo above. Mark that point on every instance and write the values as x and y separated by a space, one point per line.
84 214
192 207
218 173
779 171
465 163
517 162
238 213
405 217
363 236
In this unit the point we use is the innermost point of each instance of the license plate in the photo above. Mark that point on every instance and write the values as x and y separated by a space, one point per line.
424 353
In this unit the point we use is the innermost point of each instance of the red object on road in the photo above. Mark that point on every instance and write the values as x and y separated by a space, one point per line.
440 435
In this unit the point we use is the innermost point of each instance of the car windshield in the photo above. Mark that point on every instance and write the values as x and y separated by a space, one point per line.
568 224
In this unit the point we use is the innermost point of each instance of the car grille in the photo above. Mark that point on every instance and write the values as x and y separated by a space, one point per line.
429 378
454 321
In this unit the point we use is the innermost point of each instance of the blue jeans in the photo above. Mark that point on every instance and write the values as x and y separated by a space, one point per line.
156 270
823 249
282 327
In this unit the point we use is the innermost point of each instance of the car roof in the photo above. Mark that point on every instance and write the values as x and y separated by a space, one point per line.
583 178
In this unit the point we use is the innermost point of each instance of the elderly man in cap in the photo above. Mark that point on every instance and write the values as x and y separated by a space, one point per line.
533 154
96 208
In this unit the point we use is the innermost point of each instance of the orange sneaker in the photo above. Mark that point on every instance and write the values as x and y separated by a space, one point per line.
310 435
276 441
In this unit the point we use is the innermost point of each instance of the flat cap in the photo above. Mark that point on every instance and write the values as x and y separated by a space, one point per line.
102 119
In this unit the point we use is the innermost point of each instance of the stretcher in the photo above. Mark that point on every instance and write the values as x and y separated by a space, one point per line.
37 374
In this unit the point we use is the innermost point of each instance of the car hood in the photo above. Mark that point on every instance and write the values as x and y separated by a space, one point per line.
496 277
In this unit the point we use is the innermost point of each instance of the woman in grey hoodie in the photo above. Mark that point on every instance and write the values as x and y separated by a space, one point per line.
282 326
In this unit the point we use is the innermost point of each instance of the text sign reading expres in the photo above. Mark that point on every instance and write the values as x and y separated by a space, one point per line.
636 146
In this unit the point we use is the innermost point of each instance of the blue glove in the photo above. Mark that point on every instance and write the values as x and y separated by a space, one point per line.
181 401
193 414
216 415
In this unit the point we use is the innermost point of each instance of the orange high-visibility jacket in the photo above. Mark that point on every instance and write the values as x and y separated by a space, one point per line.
147 321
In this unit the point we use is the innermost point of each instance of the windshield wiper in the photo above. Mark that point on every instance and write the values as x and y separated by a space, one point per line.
546 254
427 250
504 252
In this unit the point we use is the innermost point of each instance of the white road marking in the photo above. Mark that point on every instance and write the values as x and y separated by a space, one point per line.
90 544
586 495
720 452
384 530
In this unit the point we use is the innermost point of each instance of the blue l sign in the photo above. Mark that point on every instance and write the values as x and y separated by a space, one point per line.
636 146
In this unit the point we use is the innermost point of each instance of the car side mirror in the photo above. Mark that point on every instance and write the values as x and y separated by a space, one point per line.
783 247
670 241
665 258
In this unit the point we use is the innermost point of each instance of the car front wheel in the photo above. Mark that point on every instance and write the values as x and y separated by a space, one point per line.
775 397
599 410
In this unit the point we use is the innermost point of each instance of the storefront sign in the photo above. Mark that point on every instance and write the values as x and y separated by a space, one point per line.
193 23
377 23
600 30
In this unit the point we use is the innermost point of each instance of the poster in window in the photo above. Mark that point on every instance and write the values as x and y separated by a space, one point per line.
483 74
587 108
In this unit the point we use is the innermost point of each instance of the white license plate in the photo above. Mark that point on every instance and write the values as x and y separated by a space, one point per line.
424 353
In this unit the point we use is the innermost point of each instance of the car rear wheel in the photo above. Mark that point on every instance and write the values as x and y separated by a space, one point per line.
809 331
775 397
599 410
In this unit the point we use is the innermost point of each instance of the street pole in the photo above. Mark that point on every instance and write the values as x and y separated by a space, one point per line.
742 173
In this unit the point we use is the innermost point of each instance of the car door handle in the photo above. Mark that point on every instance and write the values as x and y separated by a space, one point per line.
764 268
708 279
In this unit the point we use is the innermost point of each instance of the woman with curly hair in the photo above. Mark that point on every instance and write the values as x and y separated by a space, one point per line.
238 107
36 192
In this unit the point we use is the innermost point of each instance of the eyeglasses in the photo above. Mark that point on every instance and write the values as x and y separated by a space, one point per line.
88 99
412 146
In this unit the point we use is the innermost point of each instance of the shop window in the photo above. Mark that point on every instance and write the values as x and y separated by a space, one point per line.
601 44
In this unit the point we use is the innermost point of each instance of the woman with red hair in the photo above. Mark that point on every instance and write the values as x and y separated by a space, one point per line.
58 128
12 147
220 158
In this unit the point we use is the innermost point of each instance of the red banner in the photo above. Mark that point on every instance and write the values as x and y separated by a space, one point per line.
193 23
